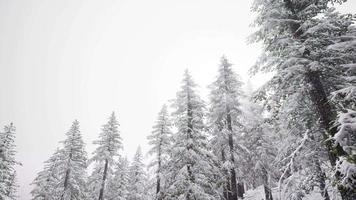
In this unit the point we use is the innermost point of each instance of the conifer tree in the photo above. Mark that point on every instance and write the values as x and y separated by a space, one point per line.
160 142
108 145
8 186
224 119
296 36
72 166
64 175
191 169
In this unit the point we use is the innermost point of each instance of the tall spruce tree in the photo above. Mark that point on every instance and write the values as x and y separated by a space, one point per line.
191 170
160 142
108 146
8 186
64 175
72 166
224 119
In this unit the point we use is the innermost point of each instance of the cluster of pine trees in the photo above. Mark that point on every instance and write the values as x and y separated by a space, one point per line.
293 136
214 150
296 133
65 175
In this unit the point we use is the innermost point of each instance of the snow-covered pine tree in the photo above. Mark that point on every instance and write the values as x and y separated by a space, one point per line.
72 165
295 37
138 178
108 146
191 170
118 185
224 120
8 186
64 174
160 142
46 181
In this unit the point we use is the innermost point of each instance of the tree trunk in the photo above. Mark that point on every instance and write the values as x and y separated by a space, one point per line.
231 144
229 193
266 187
101 193
327 116
325 112
189 137
158 186
240 190
66 179
227 187
232 159
268 192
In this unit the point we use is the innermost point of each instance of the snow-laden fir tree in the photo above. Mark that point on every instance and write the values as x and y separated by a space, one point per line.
118 185
191 168
224 120
8 186
46 181
160 142
108 146
295 37
71 167
294 48
137 178
64 174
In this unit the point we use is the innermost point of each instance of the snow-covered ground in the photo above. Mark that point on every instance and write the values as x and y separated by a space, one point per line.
258 194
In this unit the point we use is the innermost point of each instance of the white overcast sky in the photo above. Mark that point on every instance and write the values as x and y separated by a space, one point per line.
62 60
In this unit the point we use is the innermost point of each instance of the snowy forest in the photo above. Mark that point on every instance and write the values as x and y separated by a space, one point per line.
293 138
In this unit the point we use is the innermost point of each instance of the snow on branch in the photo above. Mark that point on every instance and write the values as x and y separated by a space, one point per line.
347 130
